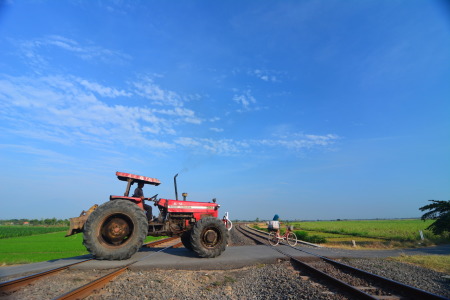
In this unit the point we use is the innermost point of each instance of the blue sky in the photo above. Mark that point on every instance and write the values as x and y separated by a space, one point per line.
308 109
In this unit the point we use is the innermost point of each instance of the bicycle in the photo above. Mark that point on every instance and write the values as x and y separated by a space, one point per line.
289 236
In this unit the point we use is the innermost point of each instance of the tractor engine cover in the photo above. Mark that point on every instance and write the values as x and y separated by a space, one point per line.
198 209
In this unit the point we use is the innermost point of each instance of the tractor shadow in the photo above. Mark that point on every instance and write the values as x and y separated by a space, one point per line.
183 252
80 257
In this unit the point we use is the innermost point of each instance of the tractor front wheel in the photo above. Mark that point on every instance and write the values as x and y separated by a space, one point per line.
115 230
209 237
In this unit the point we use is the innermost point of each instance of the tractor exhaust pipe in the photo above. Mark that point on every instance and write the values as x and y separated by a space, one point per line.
175 183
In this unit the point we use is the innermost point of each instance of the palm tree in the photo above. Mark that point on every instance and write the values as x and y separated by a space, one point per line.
439 210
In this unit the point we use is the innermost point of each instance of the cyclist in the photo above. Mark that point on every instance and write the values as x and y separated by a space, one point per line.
274 233
274 225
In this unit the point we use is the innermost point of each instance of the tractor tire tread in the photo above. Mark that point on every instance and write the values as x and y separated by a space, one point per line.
91 229
196 237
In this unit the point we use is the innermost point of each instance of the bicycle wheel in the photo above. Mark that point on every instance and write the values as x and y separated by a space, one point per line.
291 239
273 239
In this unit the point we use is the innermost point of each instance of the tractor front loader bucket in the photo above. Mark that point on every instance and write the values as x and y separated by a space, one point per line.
77 223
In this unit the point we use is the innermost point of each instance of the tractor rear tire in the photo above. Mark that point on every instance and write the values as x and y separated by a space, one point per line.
209 237
186 239
115 230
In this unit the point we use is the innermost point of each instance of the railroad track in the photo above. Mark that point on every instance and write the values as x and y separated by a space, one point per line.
375 287
85 290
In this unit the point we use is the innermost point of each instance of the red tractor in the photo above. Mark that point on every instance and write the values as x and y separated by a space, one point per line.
117 229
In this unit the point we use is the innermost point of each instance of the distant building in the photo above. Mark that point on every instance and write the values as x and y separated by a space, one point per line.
26 223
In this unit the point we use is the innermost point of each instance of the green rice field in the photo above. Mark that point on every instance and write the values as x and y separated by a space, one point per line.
364 233
21 230
393 230
39 246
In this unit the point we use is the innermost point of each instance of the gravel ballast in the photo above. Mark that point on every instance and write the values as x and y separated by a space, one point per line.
277 281
421 278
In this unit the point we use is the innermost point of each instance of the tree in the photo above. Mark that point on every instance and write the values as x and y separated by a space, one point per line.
439 210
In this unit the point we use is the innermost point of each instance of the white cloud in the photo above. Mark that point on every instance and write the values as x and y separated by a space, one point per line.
224 147
299 141
179 112
44 154
245 99
183 115
70 110
148 89
32 51
63 42
103 90
322 139
233 147
216 129
187 141
62 109
265 75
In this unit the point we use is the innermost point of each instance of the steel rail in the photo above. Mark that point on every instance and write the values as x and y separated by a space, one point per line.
159 242
15 284
341 284
87 289
404 288
178 245
411 291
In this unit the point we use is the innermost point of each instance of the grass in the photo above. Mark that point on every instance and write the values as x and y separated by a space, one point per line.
440 263
43 247
154 238
227 280
21 230
397 230
367 234
305 236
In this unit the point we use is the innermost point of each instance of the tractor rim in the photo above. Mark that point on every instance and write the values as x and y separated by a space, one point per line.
116 230
211 237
